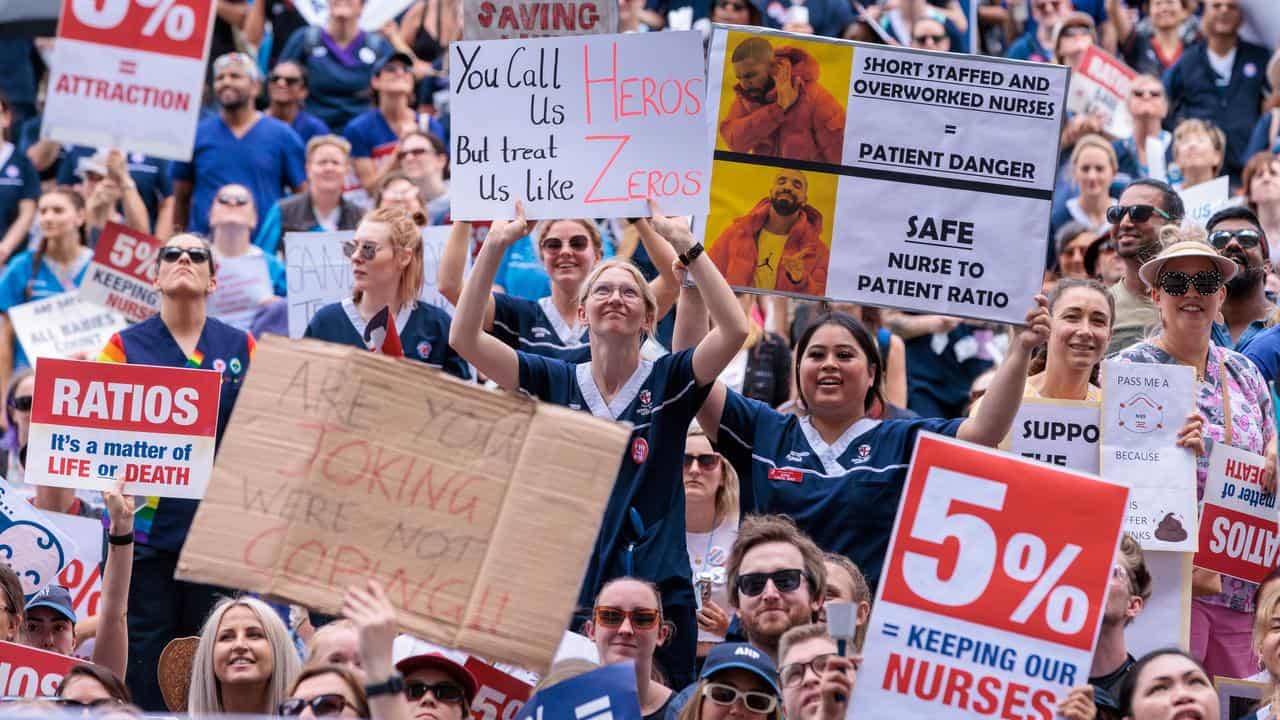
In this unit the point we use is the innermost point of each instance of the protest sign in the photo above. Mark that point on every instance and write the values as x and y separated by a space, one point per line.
122 275
82 577
38 549
476 510
373 17
1165 620
501 19
960 194
243 286
94 422
29 672
316 273
434 239
1203 200
1099 86
129 74
1144 405
1059 432
583 126
605 694
1239 534
993 587
63 325
1237 699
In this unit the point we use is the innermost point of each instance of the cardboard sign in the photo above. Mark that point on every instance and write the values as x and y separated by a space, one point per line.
1203 200
317 274
993 587
1165 620
63 325
129 73
122 275
1059 432
956 154
93 422
82 577
476 510
28 672
1144 406
38 548
1237 699
502 19
1100 86
244 284
1239 534
605 694
578 126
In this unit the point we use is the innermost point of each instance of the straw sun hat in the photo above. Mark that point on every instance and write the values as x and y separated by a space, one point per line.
1150 270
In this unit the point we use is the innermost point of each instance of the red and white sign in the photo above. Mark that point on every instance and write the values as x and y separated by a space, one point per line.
1100 85
93 422
1239 533
501 19
129 74
992 590
122 275
28 672
82 577
500 696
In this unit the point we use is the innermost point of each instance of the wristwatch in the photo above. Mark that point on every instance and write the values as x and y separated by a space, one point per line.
393 685
690 255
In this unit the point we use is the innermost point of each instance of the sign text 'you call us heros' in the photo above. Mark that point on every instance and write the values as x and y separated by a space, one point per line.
579 126
93 423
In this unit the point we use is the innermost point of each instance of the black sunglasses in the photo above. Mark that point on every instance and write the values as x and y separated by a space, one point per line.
752 584
321 705
21 403
290 81
173 253
577 243
1246 237
706 461
1138 213
1206 282
233 200
446 692
932 39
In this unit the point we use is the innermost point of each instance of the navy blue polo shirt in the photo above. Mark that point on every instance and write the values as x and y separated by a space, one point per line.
337 92
1233 104
424 333
18 181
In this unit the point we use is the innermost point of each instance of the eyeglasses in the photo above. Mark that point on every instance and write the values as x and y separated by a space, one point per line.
290 81
367 251
445 692
321 705
21 403
706 461
173 253
1152 93
757 702
792 674
1206 282
412 152
641 618
233 200
752 584
1246 237
931 39
577 243
1138 213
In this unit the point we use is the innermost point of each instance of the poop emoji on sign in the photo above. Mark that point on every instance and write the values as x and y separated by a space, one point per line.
1170 529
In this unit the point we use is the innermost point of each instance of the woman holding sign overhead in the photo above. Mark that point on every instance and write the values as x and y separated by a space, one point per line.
643 531
183 336
1187 281
386 269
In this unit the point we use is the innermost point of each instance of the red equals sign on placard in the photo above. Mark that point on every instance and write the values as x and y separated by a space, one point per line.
128 67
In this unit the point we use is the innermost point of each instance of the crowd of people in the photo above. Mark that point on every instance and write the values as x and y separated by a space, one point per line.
769 436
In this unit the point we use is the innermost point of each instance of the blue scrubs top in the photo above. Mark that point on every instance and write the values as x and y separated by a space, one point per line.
423 330
45 282
18 181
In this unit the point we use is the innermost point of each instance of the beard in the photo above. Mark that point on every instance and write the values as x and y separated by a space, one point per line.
234 101
1245 283
784 203
760 94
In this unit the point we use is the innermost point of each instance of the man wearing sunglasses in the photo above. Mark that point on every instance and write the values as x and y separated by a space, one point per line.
1236 233
286 93
1145 206
777 579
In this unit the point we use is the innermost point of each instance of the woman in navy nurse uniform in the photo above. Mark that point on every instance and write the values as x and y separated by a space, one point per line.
642 533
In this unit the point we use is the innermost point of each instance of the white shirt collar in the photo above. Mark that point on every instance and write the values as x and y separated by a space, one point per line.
359 323
568 335
595 399
830 454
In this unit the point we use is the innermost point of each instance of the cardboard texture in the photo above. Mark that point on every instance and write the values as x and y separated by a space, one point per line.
476 510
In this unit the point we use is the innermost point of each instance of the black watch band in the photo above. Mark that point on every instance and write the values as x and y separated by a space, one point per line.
121 539
393 685
690 255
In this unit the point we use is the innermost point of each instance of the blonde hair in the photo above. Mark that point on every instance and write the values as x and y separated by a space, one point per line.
1192 126
205 695
650 302
1262 614
566 669
405 232
693 708
314 642
593 232
727 502
319 141
1093 140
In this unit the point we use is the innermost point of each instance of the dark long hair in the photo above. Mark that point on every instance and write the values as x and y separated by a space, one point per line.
866 344
1129 685
38 256
109 680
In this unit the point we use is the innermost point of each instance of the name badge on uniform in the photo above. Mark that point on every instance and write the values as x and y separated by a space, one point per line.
793 476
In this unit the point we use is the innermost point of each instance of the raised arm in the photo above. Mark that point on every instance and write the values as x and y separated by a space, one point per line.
375 619
666 287
453 265
994 417
467 335
691 328
111 649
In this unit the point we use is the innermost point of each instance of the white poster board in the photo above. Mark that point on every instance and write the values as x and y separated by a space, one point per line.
1203 200
502 19
317 274
1165 620
244 286
63 325
1060 432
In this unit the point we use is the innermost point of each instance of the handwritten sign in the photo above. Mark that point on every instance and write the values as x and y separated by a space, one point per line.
1059 432
38 549
122 275
1203 200
82 577
993 586
1100 86
317 274
578 127
451 495
29 672
92 422
1239 535
1144 406
501 19
244 284
957 155
63 325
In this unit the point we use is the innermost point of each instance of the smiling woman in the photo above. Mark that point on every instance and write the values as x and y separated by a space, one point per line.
245 661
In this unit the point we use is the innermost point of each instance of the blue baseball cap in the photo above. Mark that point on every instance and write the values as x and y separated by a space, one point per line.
56 598
726 656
